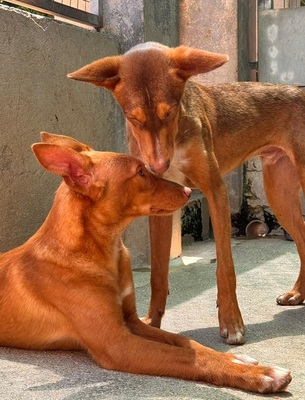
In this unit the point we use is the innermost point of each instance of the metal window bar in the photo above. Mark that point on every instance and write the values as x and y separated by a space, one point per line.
88 12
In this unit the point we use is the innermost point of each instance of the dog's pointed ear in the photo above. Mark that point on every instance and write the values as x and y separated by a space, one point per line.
75 168
103 72
189 61
65 141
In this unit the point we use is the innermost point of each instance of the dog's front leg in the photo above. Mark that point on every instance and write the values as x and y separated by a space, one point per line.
132 321
205 175
230 319
160 243
127 296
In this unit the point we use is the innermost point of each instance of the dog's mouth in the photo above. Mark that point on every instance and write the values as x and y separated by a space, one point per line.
172 207
160 211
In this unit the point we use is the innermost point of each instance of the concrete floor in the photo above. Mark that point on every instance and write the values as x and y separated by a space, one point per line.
275 335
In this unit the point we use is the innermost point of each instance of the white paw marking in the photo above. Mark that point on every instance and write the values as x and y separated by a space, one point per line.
243 359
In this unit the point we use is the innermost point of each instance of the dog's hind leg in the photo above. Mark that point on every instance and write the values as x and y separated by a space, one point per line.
282 186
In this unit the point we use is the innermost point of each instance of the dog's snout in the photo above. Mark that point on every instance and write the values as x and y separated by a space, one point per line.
159 167
187 191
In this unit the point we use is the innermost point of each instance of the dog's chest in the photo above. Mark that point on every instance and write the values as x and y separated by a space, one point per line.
178 165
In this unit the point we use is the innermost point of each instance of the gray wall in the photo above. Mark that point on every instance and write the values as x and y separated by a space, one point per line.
36 55
137 21
212 25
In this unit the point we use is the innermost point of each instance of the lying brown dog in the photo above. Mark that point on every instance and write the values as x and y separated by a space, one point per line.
70 285
194 135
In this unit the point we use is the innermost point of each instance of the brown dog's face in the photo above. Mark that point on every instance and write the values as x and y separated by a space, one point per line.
148 82
131 190
150 102
118 187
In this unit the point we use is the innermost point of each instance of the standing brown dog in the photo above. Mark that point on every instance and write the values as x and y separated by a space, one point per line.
194 135
70 285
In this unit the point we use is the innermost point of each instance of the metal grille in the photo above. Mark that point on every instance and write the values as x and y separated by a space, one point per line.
87 12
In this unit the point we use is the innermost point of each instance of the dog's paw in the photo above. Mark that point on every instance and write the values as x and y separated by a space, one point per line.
231 325
275 380
244 372
236 337
257 378
292 298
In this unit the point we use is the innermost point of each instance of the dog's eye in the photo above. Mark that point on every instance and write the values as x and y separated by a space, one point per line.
170 113
141 171
135 122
